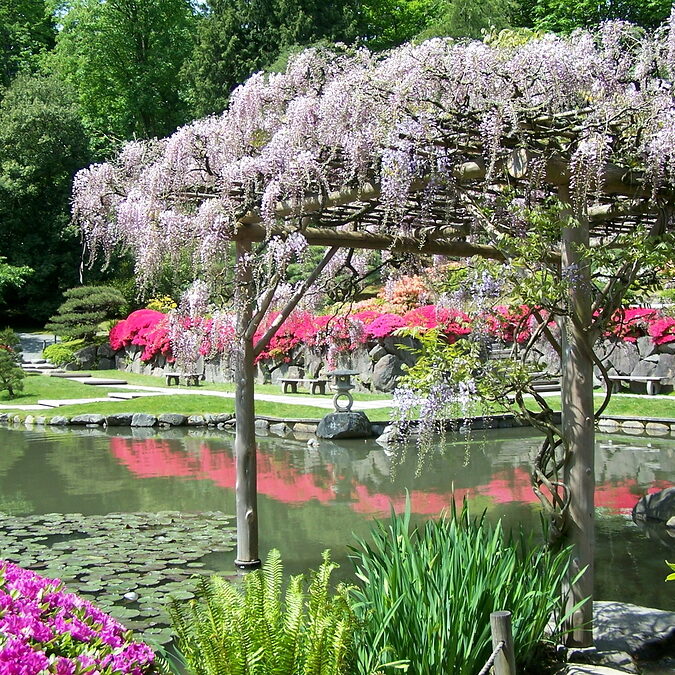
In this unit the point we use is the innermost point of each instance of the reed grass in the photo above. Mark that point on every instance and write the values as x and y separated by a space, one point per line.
425 594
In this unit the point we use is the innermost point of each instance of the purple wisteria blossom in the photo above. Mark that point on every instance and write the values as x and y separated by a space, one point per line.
46 630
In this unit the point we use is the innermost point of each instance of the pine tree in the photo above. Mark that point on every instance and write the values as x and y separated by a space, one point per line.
11 373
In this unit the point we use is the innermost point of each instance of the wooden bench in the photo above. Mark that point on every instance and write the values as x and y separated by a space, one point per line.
291 383
653 383
191 379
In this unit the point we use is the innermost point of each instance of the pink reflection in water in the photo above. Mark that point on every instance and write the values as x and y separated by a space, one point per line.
151 458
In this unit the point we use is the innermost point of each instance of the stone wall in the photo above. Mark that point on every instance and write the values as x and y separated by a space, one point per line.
381 363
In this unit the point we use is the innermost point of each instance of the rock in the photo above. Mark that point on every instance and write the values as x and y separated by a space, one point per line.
262 424
119 420
4 417
624 357
106 364
386 373
643 369
633 427
390 436
345 425
41 419
196 421
72 366
143 420
59 421
657 429
629 628
665 366
659 506
404 348
646 346
304 428
222 418
105 351
280 429
86 357
29 421
608 426
377 352
87 419
172 419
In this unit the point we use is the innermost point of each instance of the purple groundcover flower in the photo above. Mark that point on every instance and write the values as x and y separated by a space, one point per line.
44 629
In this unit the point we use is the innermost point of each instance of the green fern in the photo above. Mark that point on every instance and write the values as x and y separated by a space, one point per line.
259 630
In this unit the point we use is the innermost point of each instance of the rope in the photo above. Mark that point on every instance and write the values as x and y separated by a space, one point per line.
491 661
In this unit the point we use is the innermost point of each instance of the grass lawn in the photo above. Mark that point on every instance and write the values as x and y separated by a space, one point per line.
159 381
38 386
194 404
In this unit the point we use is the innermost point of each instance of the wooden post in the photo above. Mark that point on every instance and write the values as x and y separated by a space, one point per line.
244 411
500 626
578 425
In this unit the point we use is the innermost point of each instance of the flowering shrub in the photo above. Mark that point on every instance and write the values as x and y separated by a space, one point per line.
146 328
629 324
510 324
333 335
44 629
662 330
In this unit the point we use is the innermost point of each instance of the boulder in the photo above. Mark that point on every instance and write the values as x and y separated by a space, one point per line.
87 419
105 351
377 352
59 421
665 366
119 420
404 348
646 346
280 429
659 506
345 425
106 364
386 373
623 357
196 421
86 357
143 420
172 419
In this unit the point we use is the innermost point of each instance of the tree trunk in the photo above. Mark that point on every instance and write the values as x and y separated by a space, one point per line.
244 409
578 427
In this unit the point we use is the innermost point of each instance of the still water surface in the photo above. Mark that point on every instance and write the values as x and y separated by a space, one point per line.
317 497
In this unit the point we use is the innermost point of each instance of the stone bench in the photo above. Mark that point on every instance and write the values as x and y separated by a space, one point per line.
291 384
653 383
191 379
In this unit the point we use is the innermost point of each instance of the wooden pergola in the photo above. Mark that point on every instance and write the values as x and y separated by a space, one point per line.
356 218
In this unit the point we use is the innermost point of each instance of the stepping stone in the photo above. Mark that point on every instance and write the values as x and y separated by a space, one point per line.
97 381
128 396
68 375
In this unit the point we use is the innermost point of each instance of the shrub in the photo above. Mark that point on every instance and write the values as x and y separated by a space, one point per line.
45 630
61 353
426 594
146 328
85 307
226 630
11 373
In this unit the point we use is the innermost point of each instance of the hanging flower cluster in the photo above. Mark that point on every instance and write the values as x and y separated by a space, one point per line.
45 630
351 118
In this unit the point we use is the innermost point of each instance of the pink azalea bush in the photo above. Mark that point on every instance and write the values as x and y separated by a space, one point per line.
333 335
45 630
146 328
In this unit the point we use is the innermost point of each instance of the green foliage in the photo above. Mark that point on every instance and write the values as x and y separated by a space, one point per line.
85 307
426 593
671 576
11 276
562 16
226 630
122 58
61 353
11 374
469 18
26 31
42 144
237 38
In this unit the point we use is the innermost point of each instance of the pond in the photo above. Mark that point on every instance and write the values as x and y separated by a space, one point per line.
311 497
